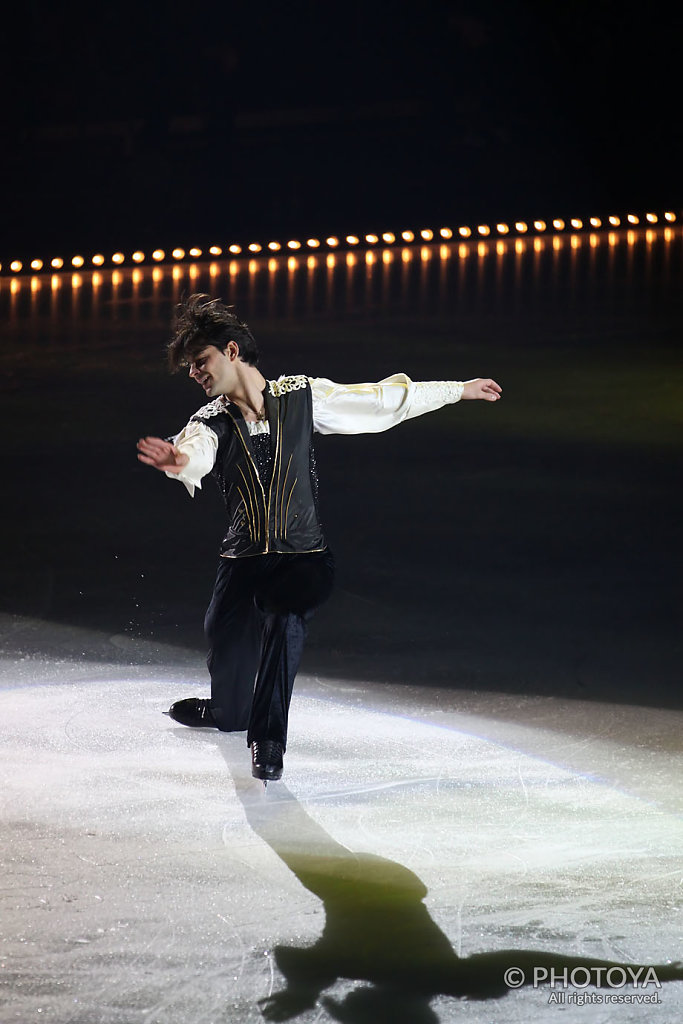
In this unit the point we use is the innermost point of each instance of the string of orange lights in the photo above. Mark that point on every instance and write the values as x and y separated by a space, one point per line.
333 242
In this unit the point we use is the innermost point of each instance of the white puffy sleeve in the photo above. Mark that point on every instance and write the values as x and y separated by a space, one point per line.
200 444
371 408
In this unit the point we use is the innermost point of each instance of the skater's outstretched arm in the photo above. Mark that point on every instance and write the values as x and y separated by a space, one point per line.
371 408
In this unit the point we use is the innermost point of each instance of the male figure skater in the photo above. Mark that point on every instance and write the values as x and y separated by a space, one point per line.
255 437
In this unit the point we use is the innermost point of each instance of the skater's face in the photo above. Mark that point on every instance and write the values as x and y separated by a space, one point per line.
215 370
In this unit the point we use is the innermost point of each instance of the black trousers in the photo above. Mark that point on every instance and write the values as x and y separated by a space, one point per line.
256 627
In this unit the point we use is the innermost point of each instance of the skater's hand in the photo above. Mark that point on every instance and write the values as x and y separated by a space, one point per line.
163 455
482 387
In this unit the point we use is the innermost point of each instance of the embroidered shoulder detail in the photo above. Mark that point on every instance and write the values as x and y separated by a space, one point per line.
284 384
212 409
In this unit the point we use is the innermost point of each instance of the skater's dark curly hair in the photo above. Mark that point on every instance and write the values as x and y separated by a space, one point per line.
201 321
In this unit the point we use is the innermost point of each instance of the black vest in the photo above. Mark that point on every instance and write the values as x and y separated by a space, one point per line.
278 514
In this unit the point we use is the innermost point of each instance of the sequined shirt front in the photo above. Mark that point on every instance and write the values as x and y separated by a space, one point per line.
261 451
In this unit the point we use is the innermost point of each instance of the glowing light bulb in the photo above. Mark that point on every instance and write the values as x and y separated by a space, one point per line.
558 224
138 257
669 216
465 232
502 229
216 250
652 218
407 236
16 266
576 223
446 232
615 222
77 261
332 241
274 246
36 264
57 263
117 258
254 247
158 254
484 229
595 222
313 243
388 237
540 225
632 219
427 234
293 244
352 239
194 253
178 254
521 226
372 239
98 259
235 249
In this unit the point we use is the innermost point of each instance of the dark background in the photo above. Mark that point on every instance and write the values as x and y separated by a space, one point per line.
531 546
127 125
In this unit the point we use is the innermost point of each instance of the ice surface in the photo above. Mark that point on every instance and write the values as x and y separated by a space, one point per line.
416 835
